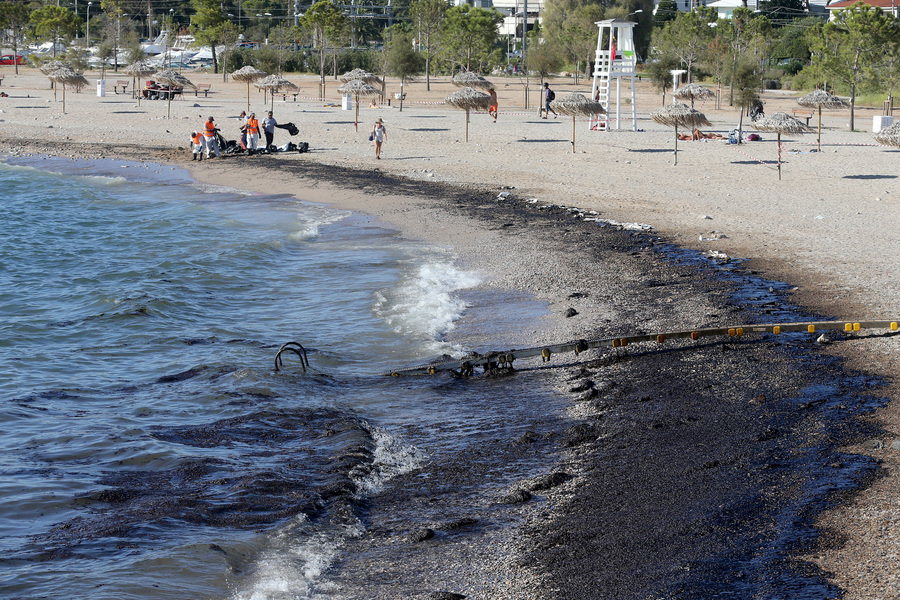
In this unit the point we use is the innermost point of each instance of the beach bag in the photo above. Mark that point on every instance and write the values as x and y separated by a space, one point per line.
303 147
371 137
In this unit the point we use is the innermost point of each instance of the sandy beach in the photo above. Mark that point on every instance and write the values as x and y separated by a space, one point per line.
827 227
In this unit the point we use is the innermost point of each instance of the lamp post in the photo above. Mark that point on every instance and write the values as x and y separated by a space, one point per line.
88 36
640 10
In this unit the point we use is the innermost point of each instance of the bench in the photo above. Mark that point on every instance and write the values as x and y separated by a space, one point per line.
120 83
284 95
803 114
202 87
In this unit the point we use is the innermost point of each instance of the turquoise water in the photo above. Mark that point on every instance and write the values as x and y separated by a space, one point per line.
150 449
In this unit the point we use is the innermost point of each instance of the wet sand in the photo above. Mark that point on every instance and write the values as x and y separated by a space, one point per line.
700 454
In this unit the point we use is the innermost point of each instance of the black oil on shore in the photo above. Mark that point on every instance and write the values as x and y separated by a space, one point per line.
688 472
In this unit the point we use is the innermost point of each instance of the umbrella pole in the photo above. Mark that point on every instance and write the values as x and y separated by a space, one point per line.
779 157
169 105
248 96
676 143
573 134
64 98
819 136
467 126
356 119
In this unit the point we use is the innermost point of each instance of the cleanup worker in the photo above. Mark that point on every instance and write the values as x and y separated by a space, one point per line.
209 137
197 145
252 133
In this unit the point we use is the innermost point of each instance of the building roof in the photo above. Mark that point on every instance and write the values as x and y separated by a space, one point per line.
751 4
889 4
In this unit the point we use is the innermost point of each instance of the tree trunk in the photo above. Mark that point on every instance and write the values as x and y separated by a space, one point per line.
428 73
215 59
852 106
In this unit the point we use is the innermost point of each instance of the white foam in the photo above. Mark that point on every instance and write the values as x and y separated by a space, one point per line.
424 305
391 458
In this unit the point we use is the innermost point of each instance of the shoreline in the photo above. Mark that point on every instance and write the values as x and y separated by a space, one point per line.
850 289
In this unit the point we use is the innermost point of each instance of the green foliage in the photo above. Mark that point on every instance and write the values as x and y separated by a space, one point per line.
402 60
427 18
666 11
15 20
542 59
782 12
687 37
55 24
792 40
77 56
659 70
746 79
470 37
854 47
326 25
571 33
359 58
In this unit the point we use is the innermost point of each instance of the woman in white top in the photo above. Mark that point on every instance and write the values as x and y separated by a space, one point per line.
378 135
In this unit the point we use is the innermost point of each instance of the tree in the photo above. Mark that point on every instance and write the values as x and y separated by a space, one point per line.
659 68
402 60
854 45
687 37
542 58
666 11
115 14
15 19
326 24
745 36
470 37
573 33
209 25
427 18
746 78
55 24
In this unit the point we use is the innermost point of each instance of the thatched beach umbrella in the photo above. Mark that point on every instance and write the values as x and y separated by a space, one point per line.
66 77
138 70
472 80
781 123
358 87
889 136
576 104
173 79
676 114
468 99
54 65
248 74
359 74
693 91
272 84
821 99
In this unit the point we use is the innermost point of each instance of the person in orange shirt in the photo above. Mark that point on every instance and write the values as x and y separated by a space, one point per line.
209 137
197 145
252 133
494 104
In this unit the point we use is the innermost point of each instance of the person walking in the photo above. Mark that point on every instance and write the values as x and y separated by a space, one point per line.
243 127
269 124
209 137
492 110
549 96
378 135
252 133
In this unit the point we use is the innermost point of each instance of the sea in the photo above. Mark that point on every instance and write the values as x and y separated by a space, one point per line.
154 445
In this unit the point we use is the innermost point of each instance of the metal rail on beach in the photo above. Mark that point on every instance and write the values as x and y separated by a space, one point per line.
465 366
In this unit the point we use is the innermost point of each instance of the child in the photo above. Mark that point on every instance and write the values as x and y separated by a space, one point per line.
197 145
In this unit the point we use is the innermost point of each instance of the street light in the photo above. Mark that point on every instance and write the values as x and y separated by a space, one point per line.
640 10
88 36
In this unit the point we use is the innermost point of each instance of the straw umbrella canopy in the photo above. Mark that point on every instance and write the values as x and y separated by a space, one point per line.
173 79
272 84
678 114
821 99
138 69
889 136
576 104
54 65
361 75
693 91
248 74
781 123
66 77
468 99
358 88
472 80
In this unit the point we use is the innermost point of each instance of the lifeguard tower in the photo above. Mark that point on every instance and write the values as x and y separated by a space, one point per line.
614 59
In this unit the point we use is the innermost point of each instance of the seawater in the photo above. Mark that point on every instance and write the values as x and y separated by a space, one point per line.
150 449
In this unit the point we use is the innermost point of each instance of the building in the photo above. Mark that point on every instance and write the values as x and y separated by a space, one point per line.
891 7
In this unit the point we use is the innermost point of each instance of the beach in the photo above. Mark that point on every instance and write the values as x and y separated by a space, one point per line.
826 228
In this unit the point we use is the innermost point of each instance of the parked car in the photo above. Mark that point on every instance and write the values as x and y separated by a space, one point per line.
12 59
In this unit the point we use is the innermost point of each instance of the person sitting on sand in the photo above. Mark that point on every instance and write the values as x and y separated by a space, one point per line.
373 104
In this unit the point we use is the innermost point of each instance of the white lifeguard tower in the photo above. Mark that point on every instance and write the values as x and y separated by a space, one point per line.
614 59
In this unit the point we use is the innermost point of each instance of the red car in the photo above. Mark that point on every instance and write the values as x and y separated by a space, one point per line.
12 59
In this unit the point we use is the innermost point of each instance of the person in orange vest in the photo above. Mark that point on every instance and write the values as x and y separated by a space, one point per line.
252 133
197 145
209 137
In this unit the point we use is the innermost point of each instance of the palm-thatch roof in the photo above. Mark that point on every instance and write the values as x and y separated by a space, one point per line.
361 75
680 115
139 69
693 91
67 77
174 79
54 65
248 74
469 99
889 136
821 99
274 82
358 87
576 104
472 80
780 123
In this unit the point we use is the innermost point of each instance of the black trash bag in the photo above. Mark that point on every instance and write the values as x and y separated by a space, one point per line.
289 127
303 147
